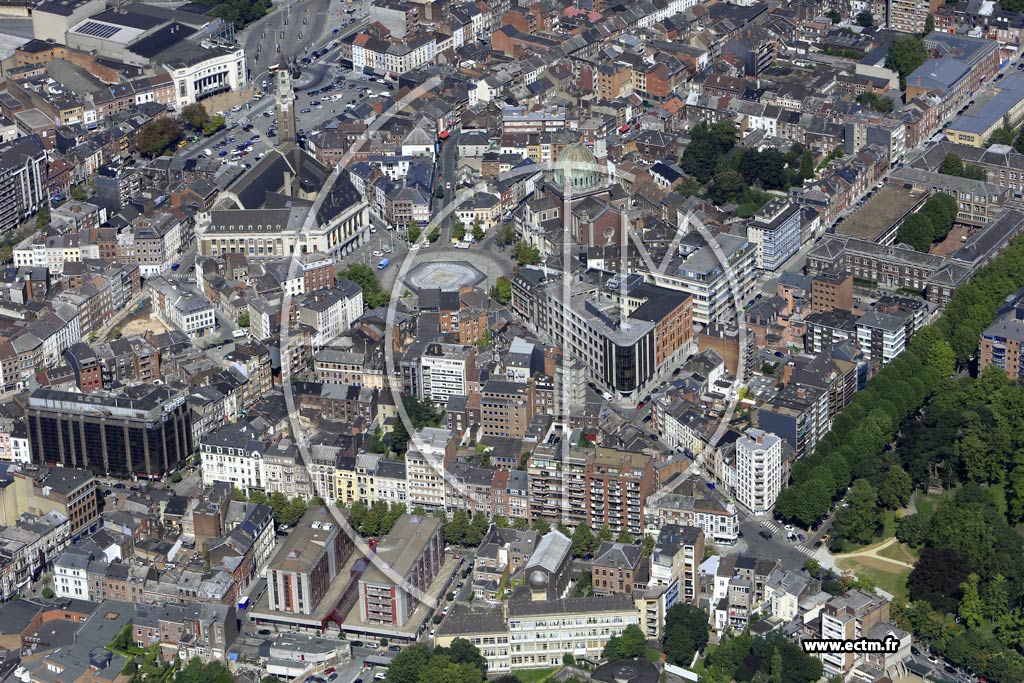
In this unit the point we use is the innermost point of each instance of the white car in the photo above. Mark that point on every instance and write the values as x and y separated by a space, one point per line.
448 186
373 229
789 527
414 246
378 253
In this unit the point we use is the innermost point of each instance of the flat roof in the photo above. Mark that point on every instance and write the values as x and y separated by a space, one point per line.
872 221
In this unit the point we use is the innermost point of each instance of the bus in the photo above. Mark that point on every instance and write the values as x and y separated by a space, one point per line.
273 68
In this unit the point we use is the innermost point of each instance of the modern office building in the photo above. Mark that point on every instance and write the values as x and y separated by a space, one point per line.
144 432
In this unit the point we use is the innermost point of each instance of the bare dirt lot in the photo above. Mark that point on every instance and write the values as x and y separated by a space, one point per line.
143 325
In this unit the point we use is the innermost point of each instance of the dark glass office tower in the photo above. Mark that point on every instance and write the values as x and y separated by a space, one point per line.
144 432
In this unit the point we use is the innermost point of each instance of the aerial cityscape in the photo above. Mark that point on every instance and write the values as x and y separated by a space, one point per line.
551 341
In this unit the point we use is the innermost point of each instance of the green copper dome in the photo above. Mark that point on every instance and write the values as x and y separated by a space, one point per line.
577 169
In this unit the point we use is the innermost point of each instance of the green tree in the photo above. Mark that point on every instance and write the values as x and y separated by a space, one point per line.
834 16
213 125
916 230
502 290
541 526
413 232
648 545
929 24
629 644
624 537
456 530
1015 495
807 164
79 192
364 276
952 164
894 491
407 664
865 19
906 54
505 235
686 633
971 608
995 597
157 135
458 230
478 231
582 540
43 216
727 186
526 254
477 529
243 319
195 116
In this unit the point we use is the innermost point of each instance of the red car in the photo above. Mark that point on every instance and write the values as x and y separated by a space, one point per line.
329 670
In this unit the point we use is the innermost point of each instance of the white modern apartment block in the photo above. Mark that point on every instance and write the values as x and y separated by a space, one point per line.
775 231
443 371
424 468
758 470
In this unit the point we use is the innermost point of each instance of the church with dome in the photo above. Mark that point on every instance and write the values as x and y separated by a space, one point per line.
587 203
578 173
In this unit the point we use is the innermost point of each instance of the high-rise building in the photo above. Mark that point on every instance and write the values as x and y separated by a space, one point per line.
23 176
145 432
758 470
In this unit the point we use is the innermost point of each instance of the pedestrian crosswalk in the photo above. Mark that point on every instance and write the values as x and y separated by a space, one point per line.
775 529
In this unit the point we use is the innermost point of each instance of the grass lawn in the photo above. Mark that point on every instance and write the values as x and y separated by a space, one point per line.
900 552
926 504
888 524
652 655
890 577
535 675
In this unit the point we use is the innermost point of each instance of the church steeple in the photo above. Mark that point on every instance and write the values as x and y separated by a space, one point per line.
285 98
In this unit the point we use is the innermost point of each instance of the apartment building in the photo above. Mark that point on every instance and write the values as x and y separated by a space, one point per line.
71 492
413 552
616 568
233 454
909 16
446 370
775 232
881 337
1001 341
305 565
758 470
617 484
506 408
849 616
675 562
623 333
684 505
430 453
330 311
713 285
23 180
190 313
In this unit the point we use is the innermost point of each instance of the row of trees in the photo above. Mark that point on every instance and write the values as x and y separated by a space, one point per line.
238 12
856 447
374 520
285 511
930 224
158 135
464 531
